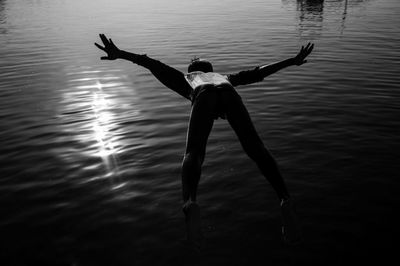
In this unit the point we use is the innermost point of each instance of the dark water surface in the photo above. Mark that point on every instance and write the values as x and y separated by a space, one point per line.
91 150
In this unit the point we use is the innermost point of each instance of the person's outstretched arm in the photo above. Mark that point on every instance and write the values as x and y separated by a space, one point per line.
169 76
259 73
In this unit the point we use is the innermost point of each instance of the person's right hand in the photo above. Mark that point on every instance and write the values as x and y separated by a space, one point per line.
109 47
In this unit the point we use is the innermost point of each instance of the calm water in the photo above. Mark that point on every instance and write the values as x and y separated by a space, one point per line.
91 150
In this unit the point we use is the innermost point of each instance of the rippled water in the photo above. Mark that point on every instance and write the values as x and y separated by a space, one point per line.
91 150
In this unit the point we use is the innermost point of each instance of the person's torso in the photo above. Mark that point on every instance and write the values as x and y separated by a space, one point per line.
200 79
213 85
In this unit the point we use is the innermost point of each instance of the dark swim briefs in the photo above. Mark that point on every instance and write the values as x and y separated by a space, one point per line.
223 94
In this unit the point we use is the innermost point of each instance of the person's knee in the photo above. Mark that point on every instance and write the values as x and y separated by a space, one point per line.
193 159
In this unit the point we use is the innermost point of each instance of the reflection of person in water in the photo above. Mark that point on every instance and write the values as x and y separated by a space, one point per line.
213 96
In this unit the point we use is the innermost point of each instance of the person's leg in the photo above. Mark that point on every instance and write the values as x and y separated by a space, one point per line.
239 118
240 121
200 124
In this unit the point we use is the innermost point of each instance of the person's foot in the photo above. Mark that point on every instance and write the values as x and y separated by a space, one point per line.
291 229
193 227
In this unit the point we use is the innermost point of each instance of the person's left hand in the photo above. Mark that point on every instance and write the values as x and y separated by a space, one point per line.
304 52
109 47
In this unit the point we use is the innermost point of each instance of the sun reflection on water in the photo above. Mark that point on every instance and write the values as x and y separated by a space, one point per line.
101 130
92 109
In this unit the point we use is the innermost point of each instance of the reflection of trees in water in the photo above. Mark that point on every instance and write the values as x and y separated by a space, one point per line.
2 15
342 25
351 3
311 7
2 4
311 13
310 16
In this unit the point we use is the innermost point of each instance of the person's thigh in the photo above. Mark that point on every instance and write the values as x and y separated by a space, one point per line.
200 123
239 119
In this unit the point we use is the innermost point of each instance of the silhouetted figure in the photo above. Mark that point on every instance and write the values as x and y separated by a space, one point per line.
213 96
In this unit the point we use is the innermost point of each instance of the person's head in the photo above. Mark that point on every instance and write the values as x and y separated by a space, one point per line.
200 65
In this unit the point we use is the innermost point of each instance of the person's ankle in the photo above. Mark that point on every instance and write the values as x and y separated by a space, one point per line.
285 199
187 203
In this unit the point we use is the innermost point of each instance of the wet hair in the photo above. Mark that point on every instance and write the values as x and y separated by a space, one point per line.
198 64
